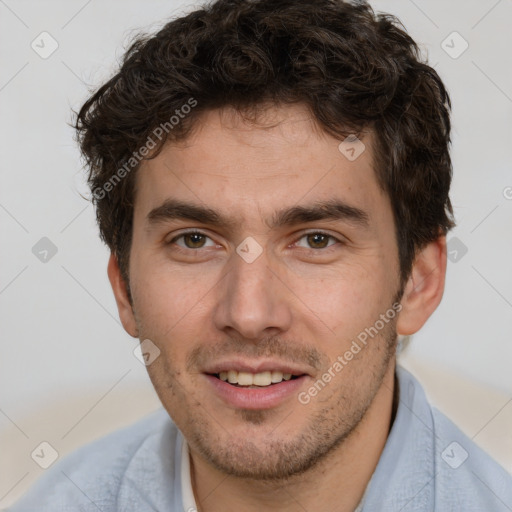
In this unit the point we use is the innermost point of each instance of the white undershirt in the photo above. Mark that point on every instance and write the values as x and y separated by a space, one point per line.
189 502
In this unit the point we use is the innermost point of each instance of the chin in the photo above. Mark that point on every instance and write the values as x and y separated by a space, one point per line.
271 456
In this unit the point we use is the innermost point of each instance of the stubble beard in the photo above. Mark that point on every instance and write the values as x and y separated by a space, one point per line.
274 460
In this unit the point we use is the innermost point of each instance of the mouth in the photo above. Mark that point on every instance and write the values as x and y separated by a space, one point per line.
248 386
258 380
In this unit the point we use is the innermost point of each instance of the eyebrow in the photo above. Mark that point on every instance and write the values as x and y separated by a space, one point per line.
330 210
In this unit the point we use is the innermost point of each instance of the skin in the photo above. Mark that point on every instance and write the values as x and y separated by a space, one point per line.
304 299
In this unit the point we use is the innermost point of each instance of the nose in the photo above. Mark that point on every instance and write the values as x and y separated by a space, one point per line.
253 300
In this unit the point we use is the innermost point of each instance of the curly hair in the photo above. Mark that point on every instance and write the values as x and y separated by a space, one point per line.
352 68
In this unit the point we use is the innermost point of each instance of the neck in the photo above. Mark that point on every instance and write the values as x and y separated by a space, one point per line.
337 482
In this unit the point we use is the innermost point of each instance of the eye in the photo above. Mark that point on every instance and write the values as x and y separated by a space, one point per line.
317 240
192 240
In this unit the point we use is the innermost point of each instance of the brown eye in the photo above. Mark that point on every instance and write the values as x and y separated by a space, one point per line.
192 240
318 240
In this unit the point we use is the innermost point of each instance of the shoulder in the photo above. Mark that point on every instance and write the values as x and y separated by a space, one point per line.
466 471
92 477
428 462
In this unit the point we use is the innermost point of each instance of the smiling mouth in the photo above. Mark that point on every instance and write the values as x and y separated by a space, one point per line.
254 380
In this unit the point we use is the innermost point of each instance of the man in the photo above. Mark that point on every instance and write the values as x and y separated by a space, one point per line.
272 179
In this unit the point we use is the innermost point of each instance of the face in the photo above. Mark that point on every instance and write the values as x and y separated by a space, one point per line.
260 251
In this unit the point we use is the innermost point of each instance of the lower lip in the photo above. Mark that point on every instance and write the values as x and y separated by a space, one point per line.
256 398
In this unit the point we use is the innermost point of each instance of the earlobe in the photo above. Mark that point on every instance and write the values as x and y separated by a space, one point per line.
121 295
425 287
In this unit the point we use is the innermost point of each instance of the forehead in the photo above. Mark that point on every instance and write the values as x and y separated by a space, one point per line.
257 166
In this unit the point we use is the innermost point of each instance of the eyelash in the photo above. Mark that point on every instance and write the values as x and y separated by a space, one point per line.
196 232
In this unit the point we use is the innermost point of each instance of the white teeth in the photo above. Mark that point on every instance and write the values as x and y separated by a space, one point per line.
262 379
244 379
277 377
254 379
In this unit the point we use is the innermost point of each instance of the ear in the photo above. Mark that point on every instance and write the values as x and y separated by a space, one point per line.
425 287
121 294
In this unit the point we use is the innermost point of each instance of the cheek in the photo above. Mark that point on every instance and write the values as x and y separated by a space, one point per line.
345 298
168 297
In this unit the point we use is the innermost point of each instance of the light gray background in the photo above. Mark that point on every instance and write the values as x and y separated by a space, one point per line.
67 369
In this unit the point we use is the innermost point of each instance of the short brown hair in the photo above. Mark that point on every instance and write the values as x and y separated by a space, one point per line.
352 68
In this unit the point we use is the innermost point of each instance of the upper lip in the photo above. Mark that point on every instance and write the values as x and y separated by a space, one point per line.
240 365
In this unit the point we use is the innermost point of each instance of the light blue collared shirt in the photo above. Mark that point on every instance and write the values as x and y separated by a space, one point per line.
427 464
